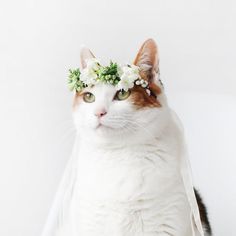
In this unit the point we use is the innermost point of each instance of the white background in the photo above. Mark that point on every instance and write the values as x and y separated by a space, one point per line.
40 41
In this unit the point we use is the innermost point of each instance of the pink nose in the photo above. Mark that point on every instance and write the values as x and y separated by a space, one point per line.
100 113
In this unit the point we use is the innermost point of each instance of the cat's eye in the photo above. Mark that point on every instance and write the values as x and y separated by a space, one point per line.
122 95
88 97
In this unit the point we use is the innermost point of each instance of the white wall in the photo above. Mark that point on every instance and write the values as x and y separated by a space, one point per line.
39 42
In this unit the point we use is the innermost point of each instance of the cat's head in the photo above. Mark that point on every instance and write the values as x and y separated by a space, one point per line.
105 113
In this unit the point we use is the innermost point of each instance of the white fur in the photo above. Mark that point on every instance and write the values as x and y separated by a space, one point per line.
128 179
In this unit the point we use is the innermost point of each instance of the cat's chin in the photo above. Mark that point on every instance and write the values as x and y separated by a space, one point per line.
108 133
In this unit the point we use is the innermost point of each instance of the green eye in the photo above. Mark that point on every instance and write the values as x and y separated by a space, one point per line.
122 95
88 97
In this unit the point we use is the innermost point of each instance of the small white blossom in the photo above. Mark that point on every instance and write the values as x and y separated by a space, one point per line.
119 70
128 75
89 75
144 85
125 83
92 64
148 92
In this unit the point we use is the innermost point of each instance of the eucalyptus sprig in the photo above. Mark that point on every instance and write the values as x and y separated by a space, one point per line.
74 82
109 74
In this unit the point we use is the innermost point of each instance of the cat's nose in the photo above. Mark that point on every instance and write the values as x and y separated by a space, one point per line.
101 112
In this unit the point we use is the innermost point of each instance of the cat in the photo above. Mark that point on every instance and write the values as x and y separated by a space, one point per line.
128 181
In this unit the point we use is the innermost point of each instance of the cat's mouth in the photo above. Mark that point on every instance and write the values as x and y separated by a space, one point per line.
102 126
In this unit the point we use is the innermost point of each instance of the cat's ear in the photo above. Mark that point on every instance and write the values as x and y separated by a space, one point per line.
85 54
147 59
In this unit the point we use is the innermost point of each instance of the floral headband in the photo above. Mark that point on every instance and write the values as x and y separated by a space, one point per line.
122 77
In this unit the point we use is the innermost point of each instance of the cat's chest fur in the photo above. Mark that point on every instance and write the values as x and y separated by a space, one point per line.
130 191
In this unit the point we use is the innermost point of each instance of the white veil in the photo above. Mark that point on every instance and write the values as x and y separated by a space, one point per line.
186 173
64 194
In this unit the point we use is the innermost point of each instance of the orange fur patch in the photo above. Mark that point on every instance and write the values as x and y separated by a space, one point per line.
141 99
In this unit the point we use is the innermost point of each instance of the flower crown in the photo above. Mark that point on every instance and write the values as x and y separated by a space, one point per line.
122 77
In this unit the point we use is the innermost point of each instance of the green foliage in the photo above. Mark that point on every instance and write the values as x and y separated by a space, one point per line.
74 82
108 74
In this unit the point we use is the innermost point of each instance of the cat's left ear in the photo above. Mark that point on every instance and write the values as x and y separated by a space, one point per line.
85 54
147 59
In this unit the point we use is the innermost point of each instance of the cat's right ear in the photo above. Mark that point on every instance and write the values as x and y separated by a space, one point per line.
147 59
85 54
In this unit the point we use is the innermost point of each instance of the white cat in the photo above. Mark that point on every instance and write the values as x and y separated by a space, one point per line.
128 178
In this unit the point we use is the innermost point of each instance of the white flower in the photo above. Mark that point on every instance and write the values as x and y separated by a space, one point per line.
89 75
92 64
128 70
125 83
135 69
128 74
148 92
119 70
